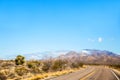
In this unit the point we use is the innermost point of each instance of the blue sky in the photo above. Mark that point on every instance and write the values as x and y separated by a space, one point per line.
29 26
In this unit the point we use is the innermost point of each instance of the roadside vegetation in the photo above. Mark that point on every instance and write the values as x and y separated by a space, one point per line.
21 69
115 66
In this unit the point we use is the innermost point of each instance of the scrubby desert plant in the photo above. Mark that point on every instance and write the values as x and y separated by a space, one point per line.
115 66
76 64
58 65
12 75
46 66
34 66
21 70
3 76
6 64
20 60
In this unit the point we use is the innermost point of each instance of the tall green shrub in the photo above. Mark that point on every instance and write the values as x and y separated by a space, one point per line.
20 60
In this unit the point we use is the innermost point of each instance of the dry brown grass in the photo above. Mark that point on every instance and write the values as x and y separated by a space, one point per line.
52 74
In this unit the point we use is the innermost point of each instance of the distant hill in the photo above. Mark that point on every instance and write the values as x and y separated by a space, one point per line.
44 55
37 55
93 56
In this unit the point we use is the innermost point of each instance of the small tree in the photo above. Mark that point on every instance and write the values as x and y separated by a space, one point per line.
20 60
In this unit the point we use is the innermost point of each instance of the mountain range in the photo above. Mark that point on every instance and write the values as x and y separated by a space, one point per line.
93 56
85 55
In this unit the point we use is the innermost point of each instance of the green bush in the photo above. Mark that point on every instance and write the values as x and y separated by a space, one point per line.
20 60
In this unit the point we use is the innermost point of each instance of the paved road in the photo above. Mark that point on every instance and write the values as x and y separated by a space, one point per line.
90 73
102 73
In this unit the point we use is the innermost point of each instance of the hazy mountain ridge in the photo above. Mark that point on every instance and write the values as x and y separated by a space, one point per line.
94 56
37 55
85 55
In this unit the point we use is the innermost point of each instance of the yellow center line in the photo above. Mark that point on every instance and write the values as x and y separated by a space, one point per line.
88 75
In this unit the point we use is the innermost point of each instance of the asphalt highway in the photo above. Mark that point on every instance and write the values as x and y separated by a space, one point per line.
91 73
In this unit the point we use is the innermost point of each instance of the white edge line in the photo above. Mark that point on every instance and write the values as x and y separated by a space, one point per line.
115 75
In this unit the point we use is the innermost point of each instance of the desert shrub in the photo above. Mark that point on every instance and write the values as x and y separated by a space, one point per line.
115 65
21 70
46 66
12 75
32 64
35 66
6 71
3 76
80 64
76 64
6 65
20 60
58 65
36 70
18 78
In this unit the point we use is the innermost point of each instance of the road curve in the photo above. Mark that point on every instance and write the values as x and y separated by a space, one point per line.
90 73
102 73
